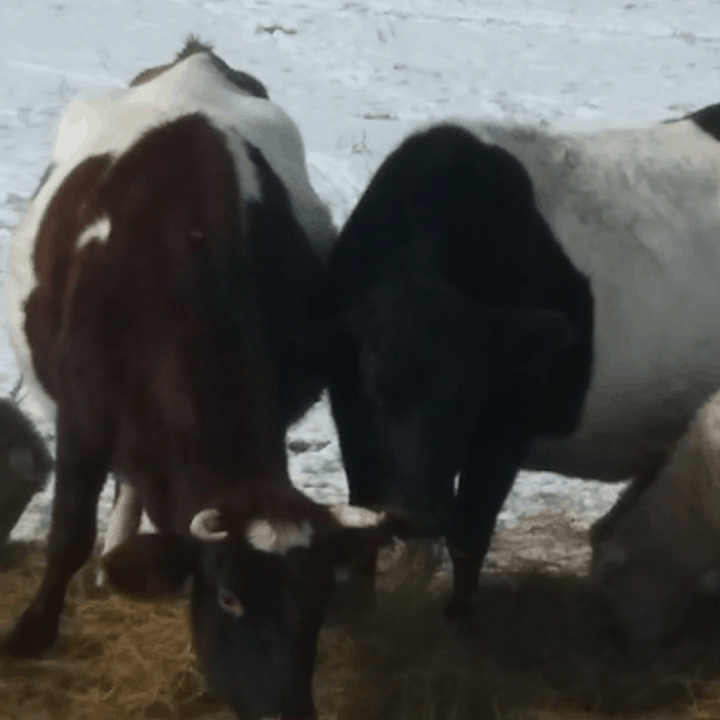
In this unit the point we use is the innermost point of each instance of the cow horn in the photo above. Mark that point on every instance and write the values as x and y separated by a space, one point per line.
355 516
204 524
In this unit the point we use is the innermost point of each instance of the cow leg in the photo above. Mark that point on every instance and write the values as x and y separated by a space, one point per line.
124 521
358 444
362 463
79 476
484 485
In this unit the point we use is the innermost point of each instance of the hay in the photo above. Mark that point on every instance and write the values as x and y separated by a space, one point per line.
535 651
117 658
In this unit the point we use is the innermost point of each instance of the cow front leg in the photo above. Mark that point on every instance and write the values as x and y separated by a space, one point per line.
79 476
364 466
484 485
124 521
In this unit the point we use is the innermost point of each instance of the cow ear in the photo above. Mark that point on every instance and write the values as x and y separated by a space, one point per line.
151 565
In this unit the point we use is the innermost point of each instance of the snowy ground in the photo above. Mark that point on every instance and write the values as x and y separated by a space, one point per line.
356 77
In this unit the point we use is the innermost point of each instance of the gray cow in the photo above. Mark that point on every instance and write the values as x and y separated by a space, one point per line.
25 464
660 545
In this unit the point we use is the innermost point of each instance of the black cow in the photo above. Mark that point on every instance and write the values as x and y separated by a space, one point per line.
466 333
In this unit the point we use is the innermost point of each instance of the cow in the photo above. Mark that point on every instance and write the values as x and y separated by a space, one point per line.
25 463
658 548
511 297
164 291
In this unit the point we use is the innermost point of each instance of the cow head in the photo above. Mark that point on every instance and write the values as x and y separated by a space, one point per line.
435 372
263 574
659 547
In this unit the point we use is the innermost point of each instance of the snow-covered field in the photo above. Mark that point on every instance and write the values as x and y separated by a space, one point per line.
357 77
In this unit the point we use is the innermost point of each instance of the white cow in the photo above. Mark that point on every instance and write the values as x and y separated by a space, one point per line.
638 212
659 546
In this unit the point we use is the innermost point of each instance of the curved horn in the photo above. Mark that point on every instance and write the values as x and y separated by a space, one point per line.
204 523
355 516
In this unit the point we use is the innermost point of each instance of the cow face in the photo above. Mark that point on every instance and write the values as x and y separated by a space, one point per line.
659 547
650 563
436 373
648 591
650 567
260 591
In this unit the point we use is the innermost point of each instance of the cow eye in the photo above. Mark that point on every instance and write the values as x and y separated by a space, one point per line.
229 602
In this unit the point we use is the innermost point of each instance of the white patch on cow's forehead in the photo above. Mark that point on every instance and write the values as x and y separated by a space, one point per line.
278 537
97 230
354 516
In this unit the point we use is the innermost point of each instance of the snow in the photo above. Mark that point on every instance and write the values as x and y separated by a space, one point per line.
357 77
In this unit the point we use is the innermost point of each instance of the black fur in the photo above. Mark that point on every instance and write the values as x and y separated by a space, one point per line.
293 292
707 119
465 332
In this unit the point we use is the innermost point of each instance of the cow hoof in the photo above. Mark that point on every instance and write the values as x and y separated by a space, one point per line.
461 610
30 637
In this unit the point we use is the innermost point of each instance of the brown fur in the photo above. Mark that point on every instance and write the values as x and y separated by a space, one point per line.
187 377
178 344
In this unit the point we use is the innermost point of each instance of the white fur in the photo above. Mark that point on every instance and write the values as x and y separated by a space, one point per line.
278 537
669 538
355 516
98 230
113 122
638 211
124 521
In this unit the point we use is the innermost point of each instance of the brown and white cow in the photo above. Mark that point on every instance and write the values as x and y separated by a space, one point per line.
164 294
659 546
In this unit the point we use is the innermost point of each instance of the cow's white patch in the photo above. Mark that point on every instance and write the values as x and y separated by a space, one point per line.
125 517
97 230
278 537
353 516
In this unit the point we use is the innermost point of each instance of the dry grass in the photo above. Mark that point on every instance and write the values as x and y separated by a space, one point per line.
117 658
535 651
